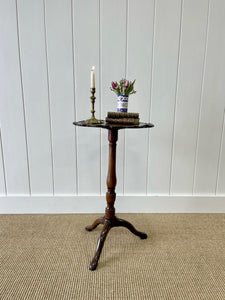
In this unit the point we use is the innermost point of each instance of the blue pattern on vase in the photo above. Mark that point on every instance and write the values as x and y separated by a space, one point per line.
122 103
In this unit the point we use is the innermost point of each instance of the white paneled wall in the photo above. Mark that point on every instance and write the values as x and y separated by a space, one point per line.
174 49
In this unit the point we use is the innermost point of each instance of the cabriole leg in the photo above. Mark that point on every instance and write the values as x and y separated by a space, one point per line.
95 224
128 225
105 230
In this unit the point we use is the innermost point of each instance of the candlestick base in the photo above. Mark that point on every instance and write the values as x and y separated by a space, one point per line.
93 121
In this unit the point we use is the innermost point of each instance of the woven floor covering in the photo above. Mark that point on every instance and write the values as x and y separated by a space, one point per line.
47 257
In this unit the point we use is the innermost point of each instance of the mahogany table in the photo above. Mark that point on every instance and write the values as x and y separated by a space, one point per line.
110 220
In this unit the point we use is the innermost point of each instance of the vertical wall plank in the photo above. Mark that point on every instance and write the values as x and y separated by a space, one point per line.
86 36
61 88
212 109
35 84
165 63
113 62
3 189
11 103
193 40
220 188
139 66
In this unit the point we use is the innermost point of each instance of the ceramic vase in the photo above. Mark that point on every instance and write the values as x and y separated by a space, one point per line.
122 103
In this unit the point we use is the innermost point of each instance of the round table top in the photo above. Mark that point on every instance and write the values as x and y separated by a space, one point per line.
113 126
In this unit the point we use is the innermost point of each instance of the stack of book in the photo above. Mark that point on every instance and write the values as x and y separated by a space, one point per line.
122 118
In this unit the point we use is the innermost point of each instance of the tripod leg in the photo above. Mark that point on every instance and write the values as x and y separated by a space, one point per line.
105 230
95 224
128 225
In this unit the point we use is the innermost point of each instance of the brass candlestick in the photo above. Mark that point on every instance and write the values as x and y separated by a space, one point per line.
93 120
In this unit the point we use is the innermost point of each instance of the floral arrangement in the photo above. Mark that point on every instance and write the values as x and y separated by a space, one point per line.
124 87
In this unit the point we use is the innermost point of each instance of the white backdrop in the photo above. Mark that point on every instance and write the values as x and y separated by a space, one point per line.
175 49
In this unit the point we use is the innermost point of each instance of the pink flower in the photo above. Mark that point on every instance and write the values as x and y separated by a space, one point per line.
127 83
113 85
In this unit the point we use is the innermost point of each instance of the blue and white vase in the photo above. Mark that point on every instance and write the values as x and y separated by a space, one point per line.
122 103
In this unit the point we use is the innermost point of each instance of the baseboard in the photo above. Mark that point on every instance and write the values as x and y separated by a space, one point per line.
124 204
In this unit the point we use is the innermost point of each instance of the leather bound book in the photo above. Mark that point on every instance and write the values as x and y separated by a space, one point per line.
131 121
121 115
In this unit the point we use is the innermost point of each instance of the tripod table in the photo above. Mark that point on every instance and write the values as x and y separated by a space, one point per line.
110 220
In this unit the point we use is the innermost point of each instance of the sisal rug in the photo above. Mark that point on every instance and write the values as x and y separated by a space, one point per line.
47 257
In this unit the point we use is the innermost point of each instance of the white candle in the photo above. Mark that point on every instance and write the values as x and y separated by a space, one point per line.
93 77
